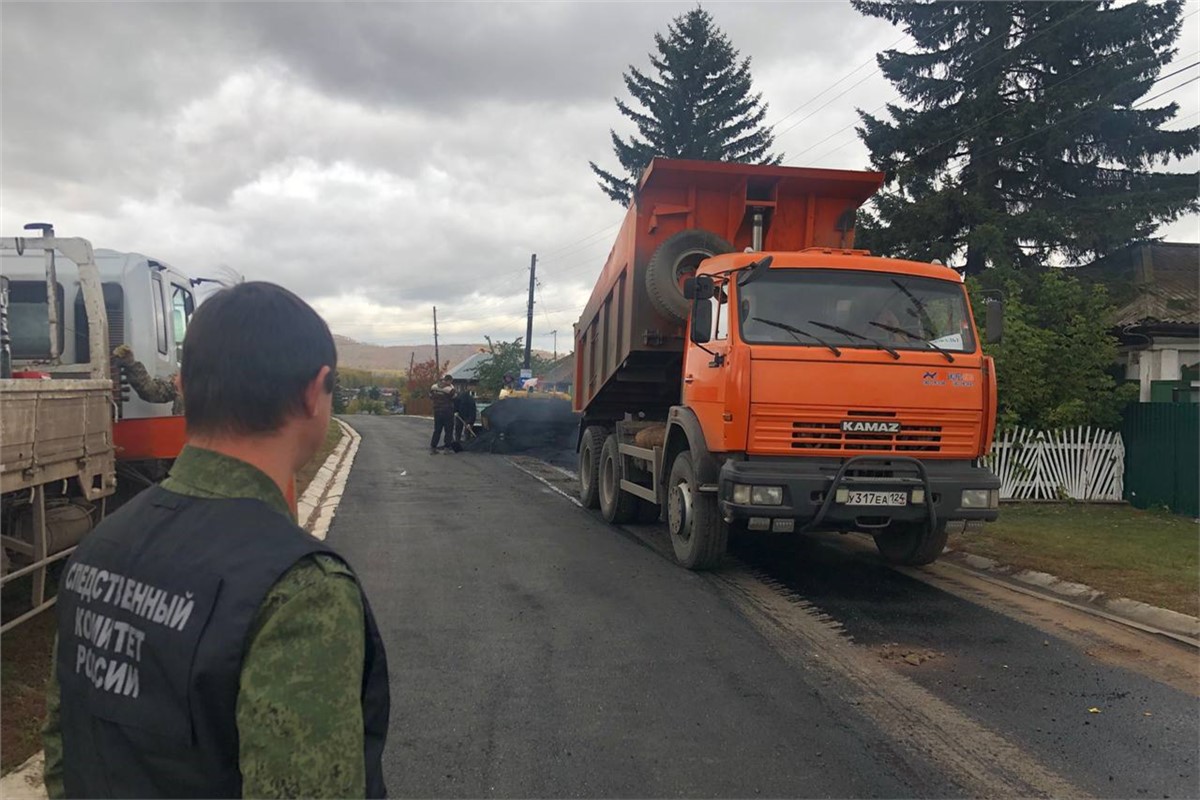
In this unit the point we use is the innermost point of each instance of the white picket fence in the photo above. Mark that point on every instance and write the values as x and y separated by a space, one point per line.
1077 463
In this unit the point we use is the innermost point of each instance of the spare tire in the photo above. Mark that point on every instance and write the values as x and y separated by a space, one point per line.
674 260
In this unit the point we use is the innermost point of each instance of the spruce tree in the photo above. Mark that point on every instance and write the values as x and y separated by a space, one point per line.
700 106
1029 132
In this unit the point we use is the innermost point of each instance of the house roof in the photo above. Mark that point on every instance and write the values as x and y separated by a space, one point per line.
1154 282
468 369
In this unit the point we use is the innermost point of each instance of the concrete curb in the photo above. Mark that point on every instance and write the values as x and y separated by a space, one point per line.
315 511
25 782
317 506
1135 610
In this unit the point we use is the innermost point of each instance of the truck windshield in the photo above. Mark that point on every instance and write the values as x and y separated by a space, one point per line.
873 310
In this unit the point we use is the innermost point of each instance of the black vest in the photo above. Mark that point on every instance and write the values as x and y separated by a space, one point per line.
155 611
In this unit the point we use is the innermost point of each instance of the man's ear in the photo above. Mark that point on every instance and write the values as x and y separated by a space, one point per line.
314 391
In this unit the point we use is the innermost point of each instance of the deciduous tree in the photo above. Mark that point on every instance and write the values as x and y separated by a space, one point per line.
507 358
1055 366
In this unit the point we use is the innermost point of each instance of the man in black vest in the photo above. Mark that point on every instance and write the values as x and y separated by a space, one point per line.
207 646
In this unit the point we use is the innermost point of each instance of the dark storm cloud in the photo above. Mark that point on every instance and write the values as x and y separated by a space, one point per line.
443 56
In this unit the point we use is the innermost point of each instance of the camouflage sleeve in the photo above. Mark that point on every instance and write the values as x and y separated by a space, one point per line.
299 709
152 390
52 733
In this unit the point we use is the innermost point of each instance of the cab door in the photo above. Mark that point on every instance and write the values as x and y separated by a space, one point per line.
706 375
183 305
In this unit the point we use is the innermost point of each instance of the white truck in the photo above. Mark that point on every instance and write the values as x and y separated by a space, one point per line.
68 429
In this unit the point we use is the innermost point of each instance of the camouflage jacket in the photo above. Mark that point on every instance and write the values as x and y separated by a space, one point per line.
149 388
299 712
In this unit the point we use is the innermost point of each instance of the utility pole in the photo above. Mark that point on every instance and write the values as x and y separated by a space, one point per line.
555 332
437 359
529 316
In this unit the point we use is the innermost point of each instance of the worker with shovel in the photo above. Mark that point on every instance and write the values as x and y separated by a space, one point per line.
443 394
464 415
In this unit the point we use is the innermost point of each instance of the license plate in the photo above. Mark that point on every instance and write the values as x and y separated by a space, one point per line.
877 499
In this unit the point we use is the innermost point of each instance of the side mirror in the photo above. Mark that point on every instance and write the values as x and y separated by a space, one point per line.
702 320
700 287
994 332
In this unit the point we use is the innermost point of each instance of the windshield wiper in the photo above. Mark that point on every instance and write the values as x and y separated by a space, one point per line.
793 331
922 313
902 332
853 335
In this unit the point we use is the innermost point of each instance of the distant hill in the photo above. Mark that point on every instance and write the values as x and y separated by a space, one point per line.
360 355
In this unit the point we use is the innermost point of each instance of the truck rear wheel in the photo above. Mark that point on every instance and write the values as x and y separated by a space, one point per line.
589 465
912 544
698 534
616 506
674 260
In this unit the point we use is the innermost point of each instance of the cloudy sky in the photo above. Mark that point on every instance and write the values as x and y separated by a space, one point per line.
380 159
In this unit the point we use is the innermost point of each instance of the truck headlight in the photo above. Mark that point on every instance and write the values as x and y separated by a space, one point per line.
745 495
766 495
980 498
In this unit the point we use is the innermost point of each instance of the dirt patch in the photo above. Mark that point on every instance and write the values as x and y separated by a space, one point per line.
24 670
910 656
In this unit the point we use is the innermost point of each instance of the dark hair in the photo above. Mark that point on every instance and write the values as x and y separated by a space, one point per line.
248 354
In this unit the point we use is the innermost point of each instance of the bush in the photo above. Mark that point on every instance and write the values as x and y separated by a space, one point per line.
1054 367
363 405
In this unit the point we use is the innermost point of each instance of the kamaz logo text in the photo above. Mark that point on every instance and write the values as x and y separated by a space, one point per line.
861 426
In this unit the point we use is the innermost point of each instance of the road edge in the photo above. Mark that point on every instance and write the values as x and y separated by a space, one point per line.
316 507
1135 610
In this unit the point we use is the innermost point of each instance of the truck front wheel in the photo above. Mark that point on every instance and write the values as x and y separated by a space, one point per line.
698 534
912 544
589 465
616 506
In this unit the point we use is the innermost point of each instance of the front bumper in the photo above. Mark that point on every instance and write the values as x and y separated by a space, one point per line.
807 484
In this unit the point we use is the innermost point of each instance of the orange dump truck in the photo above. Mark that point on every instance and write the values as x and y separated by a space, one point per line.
740 366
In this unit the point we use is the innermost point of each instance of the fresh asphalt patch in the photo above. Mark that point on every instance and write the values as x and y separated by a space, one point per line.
1112 730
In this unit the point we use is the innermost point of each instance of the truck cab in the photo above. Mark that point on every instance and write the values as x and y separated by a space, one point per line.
845 392
148 305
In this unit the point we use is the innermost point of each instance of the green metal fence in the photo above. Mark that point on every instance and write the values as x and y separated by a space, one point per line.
1162 456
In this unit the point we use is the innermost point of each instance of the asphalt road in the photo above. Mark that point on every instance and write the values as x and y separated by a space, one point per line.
535 651
1110 730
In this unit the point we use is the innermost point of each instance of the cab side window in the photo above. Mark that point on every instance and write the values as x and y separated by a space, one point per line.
720 302
160 316
182 306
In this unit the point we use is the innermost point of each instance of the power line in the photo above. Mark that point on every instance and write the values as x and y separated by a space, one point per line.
1168 91
831 86
606 229
845 91
961 133
898 95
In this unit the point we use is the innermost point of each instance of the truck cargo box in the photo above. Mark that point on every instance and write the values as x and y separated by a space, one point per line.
629 340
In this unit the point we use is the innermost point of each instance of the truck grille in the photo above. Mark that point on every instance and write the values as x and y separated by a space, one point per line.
820 432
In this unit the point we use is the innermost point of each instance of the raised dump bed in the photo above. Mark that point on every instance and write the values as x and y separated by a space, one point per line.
629 341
